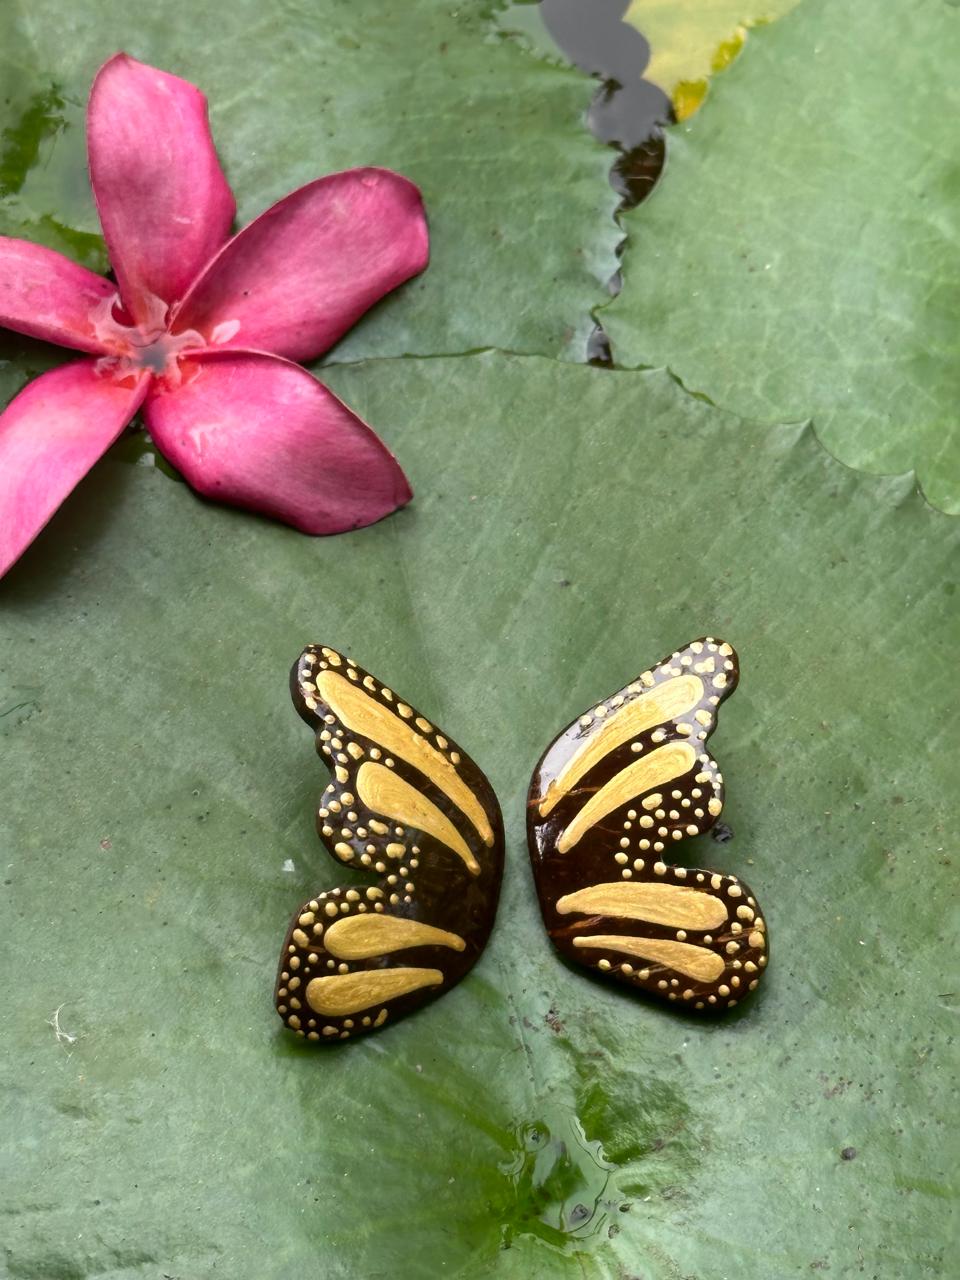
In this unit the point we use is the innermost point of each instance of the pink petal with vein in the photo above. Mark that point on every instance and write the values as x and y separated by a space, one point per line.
45 295
164 203
51 434
299 276
256 431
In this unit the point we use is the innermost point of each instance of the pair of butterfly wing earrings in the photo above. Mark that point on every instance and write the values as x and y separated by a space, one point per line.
609 800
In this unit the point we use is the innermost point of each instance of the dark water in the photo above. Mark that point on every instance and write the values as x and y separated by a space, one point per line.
628 112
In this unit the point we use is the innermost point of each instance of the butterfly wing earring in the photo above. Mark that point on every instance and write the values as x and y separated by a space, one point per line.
609 801
409 806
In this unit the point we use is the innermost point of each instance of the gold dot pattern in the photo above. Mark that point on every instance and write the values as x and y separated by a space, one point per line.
410 808
610 802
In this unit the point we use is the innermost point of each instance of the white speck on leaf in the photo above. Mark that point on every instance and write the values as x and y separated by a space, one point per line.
63 1037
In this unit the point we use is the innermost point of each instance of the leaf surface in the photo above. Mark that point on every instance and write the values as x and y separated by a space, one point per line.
800 257
571 525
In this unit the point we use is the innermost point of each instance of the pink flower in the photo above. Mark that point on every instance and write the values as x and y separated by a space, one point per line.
201 331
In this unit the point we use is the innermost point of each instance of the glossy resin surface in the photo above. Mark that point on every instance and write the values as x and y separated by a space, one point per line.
610 801
410 806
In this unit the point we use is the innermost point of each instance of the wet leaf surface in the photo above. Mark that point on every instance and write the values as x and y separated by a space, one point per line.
157 829
799 258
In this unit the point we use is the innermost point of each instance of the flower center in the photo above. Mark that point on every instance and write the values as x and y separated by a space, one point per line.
146 347
159 354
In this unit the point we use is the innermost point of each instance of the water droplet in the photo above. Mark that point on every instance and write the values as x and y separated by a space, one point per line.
559 1179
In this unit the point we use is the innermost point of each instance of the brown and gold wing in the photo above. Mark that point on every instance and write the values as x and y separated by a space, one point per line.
609 802
409 806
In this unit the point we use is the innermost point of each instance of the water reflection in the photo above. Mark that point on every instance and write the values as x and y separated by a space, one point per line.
46 202
559 1180
20 144
628 112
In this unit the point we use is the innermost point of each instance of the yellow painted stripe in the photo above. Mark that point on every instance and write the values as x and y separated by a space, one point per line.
360 713
695 962
671 699
360 937
384 792
670 904
352 992
659 767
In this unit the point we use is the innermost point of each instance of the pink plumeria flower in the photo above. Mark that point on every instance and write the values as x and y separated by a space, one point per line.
201 331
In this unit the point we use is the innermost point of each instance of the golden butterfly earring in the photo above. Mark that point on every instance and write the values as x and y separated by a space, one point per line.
610 800
409 806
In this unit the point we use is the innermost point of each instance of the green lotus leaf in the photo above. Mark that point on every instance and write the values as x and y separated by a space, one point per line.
800 257
571 525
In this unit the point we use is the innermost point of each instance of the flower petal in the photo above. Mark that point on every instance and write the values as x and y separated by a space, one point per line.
299 276
165 206
45 295
51 434
256 431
